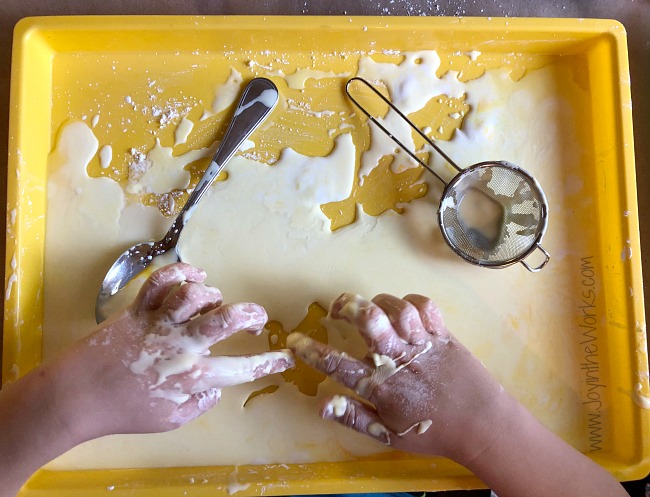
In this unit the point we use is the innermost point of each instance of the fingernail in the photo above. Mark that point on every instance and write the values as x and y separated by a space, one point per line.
346 306
254 318
287 361
340 405
297 341
380 432
208 398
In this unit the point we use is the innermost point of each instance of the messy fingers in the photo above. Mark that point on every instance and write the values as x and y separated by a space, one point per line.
204 400
218 324
225 371
196 405
372 322
357 416
191 299
156 288
404 317
339 366
429 314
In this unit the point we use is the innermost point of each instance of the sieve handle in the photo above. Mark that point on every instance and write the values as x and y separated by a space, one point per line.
406 120
547 258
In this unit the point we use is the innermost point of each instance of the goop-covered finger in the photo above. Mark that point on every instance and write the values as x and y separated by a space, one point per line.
339 366
404 317
430 315
372 322
195 405
156 288
191 299
218 324
225 371
357 416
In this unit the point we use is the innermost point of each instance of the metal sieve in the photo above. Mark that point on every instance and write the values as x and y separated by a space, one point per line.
492 214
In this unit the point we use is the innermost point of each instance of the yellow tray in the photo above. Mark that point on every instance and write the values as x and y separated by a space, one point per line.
600 43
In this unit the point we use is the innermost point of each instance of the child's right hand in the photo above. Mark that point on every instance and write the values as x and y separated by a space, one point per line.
148 368
429 394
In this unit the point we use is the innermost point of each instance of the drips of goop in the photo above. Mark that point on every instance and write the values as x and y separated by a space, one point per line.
383 368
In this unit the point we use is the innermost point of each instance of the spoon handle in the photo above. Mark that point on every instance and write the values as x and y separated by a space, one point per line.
258 99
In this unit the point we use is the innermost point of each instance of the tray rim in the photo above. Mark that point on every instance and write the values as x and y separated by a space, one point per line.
34 27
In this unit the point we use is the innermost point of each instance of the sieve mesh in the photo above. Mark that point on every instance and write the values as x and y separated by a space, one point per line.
493 214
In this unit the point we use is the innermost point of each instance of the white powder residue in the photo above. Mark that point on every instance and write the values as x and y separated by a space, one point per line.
138 166
305 109
160 171
166 116
164 111
105 156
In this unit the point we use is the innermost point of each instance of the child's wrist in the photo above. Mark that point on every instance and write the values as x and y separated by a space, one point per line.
72 388
486 428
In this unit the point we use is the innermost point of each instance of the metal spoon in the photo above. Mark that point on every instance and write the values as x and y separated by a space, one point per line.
257 101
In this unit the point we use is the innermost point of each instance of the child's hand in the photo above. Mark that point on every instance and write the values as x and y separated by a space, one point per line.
149 369
428 393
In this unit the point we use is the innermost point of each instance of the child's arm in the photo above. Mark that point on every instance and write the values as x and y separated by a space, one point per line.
146 369
429 394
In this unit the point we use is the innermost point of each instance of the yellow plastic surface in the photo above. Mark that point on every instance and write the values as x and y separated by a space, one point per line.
39 42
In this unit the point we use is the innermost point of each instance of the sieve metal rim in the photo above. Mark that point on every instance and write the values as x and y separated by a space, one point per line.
536 244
